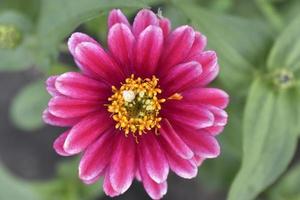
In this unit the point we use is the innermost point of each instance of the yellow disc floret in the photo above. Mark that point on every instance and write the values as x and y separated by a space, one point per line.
135 105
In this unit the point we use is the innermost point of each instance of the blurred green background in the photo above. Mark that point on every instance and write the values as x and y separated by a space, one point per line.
258 44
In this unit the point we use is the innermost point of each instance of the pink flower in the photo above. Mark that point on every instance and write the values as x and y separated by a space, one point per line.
140 108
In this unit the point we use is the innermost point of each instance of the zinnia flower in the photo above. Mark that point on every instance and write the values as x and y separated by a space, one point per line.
140 108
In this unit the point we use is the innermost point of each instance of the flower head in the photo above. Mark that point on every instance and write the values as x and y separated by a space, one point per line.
140 108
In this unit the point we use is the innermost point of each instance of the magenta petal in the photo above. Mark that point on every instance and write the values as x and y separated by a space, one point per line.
177 47
165 26
86 132
183 168
78 86
120 43
122 166
50 86
198 160
156 163
208 96
202 143
181 77
57 121
96 157
173 140
107 187
95 59
59 143
143 19
209 62
214 130
219 115
155 190
198 45
148 50
77 38
71 108
116 16
188 115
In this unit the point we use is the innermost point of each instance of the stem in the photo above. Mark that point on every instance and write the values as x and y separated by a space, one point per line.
270 13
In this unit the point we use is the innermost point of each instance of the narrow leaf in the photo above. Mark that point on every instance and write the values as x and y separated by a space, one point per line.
269 140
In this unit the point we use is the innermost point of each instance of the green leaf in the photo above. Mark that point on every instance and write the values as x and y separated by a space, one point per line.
269 139
13 189
288 186
286 51
28 105
67 185
240 43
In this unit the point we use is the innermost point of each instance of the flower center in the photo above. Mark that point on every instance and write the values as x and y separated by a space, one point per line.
135 105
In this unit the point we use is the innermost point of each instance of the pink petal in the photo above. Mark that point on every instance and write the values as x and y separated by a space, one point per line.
173 140
198 45
96 156
201 142
198 160
77 38
188 115
138 175
71 108
59 143
183 168
165 25
107 187
86 132
144 18
120 43
86 71
57 121
208 96
94 58
209 62
155 190
214 130
122 166
156 164
92 181
50 86
219 115
177 47
116 16
181 77
78 86
148 50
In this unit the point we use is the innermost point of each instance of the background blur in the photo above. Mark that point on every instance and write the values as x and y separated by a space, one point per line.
258 43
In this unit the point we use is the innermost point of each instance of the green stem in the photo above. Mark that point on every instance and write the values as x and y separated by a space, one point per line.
270 13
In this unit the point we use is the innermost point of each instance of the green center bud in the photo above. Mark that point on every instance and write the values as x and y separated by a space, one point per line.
283 78
10 37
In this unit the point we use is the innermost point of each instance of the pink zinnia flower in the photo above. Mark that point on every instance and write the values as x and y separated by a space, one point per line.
140 108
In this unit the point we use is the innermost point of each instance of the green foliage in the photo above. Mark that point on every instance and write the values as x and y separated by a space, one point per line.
14 189
28 105
269 139
67 186
288 186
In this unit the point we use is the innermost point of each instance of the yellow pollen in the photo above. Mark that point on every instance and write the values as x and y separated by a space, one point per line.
135 105
175 96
